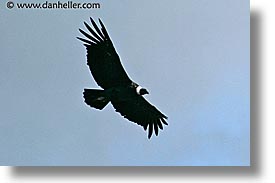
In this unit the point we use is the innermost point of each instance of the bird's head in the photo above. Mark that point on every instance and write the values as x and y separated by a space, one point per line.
141 91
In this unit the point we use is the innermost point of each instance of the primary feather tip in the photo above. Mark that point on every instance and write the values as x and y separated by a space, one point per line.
155 126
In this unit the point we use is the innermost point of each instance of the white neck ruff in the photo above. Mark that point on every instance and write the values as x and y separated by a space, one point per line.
138 90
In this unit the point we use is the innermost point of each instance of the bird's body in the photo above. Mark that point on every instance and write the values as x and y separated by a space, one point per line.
108 72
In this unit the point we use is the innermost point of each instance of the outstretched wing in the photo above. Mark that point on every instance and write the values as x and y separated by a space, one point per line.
102 57
140 111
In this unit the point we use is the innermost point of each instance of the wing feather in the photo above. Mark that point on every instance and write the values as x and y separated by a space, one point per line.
88 36
150 130
86 41
156 127
160 125
104 31
96 28
93 32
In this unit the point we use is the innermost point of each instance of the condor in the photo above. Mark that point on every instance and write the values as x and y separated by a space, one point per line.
125 95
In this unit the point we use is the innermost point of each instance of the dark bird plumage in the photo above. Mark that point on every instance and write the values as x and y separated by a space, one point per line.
108 72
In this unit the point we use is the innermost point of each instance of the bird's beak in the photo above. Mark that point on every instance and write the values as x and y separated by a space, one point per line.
146 92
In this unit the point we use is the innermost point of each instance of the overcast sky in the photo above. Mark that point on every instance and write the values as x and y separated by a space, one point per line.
191 55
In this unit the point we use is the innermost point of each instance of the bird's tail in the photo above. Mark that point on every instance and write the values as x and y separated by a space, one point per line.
96 98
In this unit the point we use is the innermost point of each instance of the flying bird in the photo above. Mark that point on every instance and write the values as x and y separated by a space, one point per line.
125 95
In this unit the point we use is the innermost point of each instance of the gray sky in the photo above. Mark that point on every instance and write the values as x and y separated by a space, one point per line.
192 56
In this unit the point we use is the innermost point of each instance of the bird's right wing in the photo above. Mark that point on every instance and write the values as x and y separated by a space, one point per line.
102 57
140 111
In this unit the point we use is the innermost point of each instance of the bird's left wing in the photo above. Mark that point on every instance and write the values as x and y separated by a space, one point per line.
102 58
140 111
